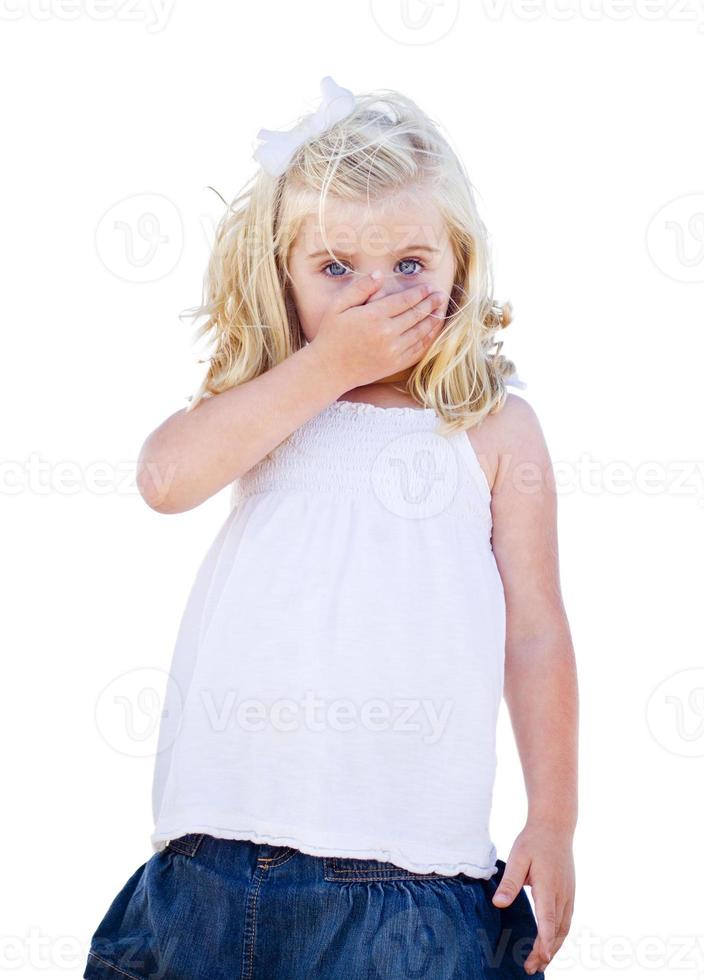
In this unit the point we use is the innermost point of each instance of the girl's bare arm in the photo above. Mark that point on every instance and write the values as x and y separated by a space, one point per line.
540 676
540 686
193 455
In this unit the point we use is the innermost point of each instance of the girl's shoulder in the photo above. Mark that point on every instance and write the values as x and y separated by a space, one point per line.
512 433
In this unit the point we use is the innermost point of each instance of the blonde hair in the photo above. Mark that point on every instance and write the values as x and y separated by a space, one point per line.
385 145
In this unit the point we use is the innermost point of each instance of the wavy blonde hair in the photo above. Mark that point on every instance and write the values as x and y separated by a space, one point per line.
385 145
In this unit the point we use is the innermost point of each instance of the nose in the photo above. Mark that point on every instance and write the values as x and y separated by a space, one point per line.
390 285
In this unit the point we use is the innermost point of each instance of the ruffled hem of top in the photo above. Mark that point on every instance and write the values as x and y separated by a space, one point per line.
392 855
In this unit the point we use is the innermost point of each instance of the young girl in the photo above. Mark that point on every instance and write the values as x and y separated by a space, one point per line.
388 571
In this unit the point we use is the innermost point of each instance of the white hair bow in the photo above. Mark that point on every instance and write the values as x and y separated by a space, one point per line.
279 146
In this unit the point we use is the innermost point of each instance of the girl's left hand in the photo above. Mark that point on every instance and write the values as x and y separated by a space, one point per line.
541 857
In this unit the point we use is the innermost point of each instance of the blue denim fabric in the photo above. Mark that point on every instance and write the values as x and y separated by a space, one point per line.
216 909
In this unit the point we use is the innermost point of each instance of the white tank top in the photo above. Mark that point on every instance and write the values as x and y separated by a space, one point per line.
339 665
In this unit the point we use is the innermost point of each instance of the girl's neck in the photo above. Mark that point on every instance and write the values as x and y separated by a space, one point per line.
389 392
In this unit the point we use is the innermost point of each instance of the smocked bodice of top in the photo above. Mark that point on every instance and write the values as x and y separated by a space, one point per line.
394 454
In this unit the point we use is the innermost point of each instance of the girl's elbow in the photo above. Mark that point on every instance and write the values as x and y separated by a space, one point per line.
154 480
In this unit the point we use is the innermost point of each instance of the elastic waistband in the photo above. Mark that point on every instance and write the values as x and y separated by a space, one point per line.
242 859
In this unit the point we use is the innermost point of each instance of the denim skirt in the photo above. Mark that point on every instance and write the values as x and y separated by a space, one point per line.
206 908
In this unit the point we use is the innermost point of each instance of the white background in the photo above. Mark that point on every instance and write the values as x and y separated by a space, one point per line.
580 126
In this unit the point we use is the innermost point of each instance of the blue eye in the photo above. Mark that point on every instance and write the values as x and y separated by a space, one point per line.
332 265
416 261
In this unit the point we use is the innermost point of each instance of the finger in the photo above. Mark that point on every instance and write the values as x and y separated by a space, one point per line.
428 307
562 929
426 331
539 956
356 292
536 959
397 303
546 915
512 880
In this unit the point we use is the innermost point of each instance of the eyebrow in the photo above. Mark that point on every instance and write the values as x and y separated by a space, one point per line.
406 248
